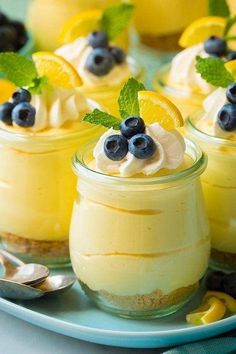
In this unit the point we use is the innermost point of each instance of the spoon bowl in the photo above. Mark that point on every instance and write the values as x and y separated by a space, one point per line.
56 284
15 291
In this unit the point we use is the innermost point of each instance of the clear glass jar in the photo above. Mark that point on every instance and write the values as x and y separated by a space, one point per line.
187 101
219 187
139 246
37 189
107 96
160 23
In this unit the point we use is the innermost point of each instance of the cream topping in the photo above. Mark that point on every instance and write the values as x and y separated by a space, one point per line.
183 71
169 154
212 105
57 106
77 53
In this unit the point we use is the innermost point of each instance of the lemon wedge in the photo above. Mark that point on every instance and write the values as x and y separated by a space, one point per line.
211 311
155 108
201 29
59 72
231 67
6 90
228 300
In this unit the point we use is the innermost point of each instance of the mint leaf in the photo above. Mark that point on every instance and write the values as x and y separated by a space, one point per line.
218 8
38 85
98 117
128 99
213 71
17 69
116 18
229 24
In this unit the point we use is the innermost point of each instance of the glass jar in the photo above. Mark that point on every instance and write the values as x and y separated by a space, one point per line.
37 189
187 101
160 23
139 246
107 96
219 187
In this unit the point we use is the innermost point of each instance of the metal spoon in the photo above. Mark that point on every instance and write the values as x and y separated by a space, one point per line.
15 291
19 272
56 284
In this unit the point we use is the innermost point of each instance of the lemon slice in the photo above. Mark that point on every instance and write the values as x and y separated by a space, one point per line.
228 300
59 72
6 90
211 311
201 29
231 67
80 25
155 108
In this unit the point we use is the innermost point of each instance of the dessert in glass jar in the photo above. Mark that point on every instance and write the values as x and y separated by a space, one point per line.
89 44
180 80
139 238
40 128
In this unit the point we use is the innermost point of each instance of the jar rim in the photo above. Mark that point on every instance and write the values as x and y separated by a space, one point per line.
192 128
199 165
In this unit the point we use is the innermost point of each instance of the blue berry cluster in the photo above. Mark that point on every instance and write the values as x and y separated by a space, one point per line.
220 281
13 35
19 111
217 47
102 58
226 117
132 139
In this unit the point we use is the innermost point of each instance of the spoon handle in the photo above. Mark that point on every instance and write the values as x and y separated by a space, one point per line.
8 258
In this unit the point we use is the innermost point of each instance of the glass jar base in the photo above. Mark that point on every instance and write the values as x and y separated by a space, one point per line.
154 305
53 254
223 260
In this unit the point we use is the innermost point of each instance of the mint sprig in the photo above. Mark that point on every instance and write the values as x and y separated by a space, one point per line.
128 99
98 117
128 105
115 19
218 8
21 72
214 72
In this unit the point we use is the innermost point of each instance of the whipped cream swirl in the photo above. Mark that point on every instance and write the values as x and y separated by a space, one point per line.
169 154
77 53
57 106
183 71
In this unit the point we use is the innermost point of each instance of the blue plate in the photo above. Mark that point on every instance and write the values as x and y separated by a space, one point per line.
74 315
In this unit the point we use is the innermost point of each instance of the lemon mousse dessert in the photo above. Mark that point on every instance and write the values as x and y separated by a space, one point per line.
179 80
40 128
90 46
214 129
139 239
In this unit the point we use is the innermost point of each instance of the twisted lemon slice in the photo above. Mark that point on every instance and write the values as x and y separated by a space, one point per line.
6 90
201 29
155 108
212 310
228 300
59 72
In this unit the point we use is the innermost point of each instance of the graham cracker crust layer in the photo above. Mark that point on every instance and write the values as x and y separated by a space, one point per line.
224 258
167 43
21 245
152 301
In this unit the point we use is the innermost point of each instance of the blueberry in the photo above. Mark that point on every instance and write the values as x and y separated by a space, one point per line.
19 26
231 56
100 62
5 112
21 41
142 146
226 117
98 39
231 93
23 114
8 35
118 54
8 48
132 126
21 95
230 284
3 19
215 46
116 147
214 281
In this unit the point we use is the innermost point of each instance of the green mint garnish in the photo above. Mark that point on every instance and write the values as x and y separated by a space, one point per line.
229 24
21 72
17 69
116 18
214 72
128 100
98 117
218 8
